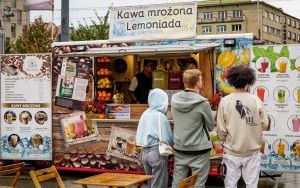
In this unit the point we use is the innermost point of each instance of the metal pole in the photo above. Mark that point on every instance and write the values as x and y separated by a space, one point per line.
2 31
64 20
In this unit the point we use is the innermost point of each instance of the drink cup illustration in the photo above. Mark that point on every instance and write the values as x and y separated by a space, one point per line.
297 148
261 93
281 95
281 148
9 118
298 95
282 66
296 124
80 128
14 140
130 145
24 118
264 66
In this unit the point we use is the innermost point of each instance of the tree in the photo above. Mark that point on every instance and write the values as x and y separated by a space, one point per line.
36 38
97 31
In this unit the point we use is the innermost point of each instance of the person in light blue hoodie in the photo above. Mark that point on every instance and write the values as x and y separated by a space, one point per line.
148 137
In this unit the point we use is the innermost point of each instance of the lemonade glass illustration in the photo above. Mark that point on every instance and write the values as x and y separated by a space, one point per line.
281 95
261 93
296 124
282 66
298 95
9 118
297 148
130 145
280 148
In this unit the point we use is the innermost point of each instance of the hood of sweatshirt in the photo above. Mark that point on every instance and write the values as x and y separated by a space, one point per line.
186 101
158 100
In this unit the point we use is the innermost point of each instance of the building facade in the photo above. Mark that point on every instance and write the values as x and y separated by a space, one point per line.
13 19
269 24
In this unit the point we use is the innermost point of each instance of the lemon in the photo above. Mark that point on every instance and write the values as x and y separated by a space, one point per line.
227 59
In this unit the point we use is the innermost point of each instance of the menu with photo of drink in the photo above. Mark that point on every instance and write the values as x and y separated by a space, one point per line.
26 102
278 86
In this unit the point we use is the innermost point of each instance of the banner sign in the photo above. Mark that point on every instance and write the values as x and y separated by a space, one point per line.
26 115
152 22
278 86
39 5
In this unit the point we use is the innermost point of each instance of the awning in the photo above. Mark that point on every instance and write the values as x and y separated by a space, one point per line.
145 50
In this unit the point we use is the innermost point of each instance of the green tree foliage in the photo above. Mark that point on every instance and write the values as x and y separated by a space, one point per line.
36 38
97 31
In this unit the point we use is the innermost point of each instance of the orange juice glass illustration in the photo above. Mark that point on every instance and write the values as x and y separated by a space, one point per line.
297 148
261 93
280 149
282 66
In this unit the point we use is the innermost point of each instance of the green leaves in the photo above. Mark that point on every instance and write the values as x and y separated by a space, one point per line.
258 52
293 64
284 52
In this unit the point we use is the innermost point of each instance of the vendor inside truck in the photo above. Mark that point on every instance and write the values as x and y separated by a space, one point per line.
141 84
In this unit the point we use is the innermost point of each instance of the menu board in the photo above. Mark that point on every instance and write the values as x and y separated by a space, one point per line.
278 86
26 115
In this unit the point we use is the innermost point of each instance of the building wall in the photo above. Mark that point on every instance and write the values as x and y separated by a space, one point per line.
13 26
265 21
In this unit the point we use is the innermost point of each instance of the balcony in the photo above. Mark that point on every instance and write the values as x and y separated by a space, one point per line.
222 20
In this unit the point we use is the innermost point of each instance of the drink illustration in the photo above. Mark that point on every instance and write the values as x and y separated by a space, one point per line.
282 66
296 124
281 95
298 95
261 93
281 148
130 145
9 118
24 118
297 148
80 128
264 65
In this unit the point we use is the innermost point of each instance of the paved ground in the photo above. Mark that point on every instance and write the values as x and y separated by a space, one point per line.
285 181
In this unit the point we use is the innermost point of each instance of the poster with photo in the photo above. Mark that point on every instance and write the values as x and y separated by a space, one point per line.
77 129
74 78
122 145
278 86
26 102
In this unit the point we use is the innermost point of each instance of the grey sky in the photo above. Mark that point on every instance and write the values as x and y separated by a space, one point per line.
83 10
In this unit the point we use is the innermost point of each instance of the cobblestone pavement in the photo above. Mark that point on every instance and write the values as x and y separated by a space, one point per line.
287 180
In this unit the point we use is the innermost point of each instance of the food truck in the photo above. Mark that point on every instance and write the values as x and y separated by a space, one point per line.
110 117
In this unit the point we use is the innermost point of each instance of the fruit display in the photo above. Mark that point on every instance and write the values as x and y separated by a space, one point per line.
104 96
104 83
118 98
104 72
95 107
104 59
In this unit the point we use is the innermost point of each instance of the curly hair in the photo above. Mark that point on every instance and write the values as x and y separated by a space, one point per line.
241 76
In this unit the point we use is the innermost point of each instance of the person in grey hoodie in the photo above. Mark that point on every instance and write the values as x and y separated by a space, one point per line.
192 122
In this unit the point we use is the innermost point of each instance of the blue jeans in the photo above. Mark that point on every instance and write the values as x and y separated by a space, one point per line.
155 165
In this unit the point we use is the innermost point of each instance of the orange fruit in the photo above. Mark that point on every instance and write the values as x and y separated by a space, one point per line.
108 94
101 116
227 59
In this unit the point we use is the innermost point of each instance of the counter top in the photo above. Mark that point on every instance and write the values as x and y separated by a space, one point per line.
119 120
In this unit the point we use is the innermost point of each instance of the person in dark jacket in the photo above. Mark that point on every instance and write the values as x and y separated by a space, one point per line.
141 84
192 122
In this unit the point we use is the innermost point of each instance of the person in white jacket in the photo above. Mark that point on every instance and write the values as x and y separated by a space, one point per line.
240 122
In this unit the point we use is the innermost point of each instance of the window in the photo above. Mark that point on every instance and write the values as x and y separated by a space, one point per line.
271 16
277 18
276 32
298 38
271 30
289 35
298 25
293 23
265 28
265 14
206 29
236 27
293 36
14 3
221 28
207 15
237 13
223 14
289 21
13 30
19 16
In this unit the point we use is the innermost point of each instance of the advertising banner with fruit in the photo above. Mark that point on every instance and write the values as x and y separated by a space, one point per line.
77 129
278 86
26 102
